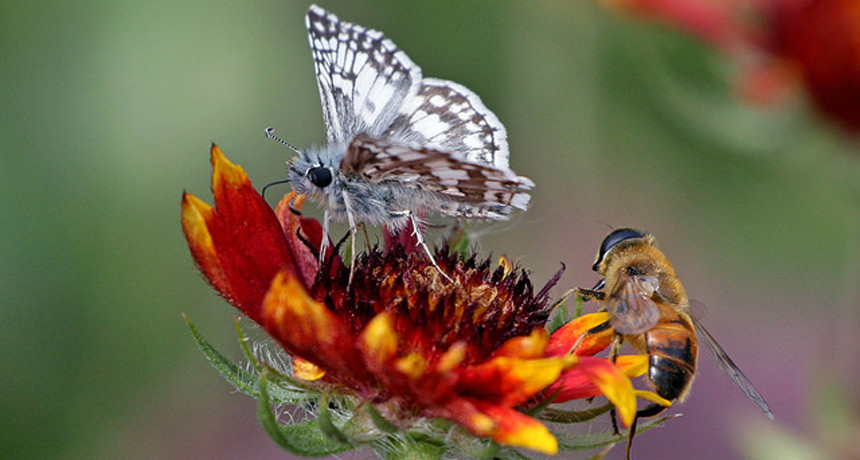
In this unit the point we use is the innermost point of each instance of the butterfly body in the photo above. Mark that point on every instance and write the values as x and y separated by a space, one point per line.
374 203
380 197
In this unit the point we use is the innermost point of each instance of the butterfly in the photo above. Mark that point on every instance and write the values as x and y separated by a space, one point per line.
399 146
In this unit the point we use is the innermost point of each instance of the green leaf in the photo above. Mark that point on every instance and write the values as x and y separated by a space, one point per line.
508 453
327 424
561 314
578 306
603 452
243 343
540 407
289 390
379 421
559 319
590 441
470 445
411 449
244 381
488 452
305 439
459 239
566 416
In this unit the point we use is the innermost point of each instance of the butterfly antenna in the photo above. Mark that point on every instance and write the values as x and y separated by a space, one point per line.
278 182
270 133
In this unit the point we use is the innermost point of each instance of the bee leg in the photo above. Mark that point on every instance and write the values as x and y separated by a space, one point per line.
630 436
612 417
561 299
614 348
588 294
416 232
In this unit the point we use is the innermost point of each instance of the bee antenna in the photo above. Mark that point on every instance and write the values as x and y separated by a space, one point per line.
277 182
606 224
270 133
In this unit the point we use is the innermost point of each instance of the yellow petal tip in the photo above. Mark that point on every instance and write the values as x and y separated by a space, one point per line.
653 397
306 370
533 436
195 215
224 170
379 340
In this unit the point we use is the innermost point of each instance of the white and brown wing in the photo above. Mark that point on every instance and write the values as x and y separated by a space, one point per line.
367 84
450 117
363 77
431 170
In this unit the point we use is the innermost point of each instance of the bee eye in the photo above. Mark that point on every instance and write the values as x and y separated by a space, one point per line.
319 176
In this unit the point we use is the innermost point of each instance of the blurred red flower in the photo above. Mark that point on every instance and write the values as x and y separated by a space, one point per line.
778 44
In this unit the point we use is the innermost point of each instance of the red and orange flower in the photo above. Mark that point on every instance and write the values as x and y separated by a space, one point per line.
400 337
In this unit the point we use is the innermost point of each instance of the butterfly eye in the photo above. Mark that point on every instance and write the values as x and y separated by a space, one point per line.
319 176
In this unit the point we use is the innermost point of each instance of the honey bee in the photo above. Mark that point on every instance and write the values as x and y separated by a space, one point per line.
649 309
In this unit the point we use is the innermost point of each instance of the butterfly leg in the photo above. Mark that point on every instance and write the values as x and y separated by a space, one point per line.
324 244
366 236
416 232
352 231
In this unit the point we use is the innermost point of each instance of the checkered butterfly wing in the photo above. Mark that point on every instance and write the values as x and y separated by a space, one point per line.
363 77
466 188
369 85
450 117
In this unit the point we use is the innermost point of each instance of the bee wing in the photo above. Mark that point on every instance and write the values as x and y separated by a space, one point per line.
379 160
631 307
731 370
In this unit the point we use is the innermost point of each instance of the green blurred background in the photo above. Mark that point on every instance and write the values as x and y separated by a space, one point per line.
109 109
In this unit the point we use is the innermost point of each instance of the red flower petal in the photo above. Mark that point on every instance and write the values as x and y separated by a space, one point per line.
308 329
517 429
594 377
239 245
572 334
405 237
525 346
577 383
304 236
511 381
196 219
503 424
